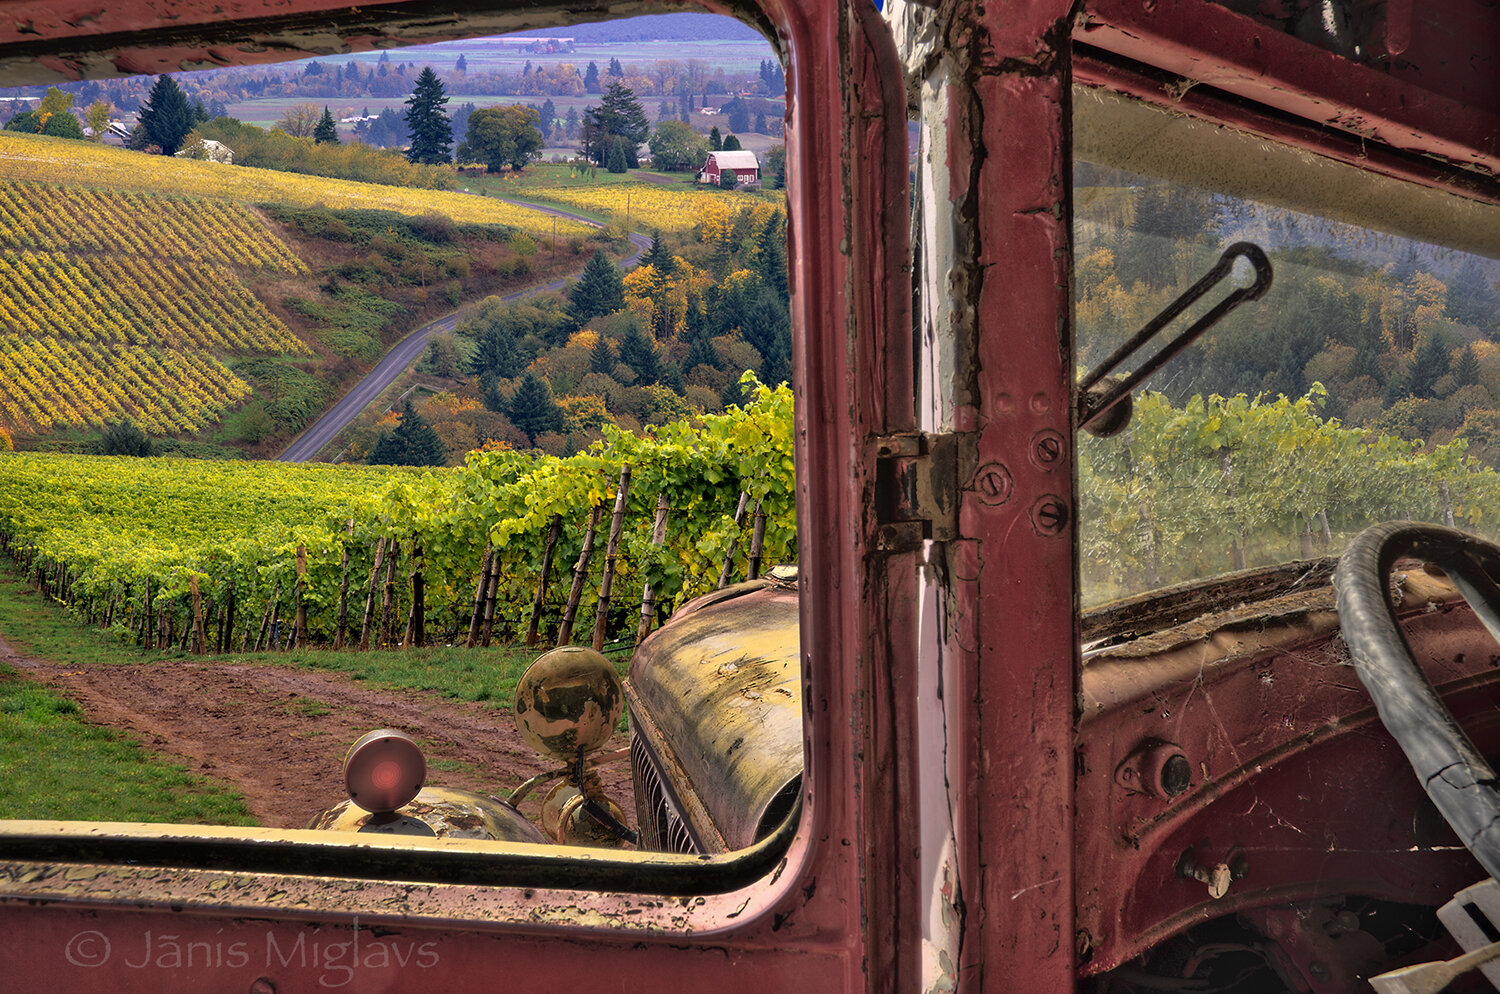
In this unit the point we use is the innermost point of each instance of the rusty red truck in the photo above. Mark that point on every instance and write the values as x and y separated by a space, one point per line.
1045 704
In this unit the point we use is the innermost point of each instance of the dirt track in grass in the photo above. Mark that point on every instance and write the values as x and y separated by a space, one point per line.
278 735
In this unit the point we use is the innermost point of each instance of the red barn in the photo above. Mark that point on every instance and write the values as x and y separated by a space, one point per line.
743 164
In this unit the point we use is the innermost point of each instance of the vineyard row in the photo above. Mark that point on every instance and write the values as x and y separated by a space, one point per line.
45 384
76 218
491 533
127 300
1218 484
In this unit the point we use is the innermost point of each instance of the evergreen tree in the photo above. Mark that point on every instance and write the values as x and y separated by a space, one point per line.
431 131
165 115
494 398
25 123
547 118
660 256
599 290
731 143
769 258
616 161
619 114
63 125
760 123
125 438
637 352
767 327
495 353
671 378
591 79
326 133
1465 366
602 356
1408 265
462 65
702 353
733 393
615 69
1430 363
591 143
1471 297
571 123
715 140
533 410
774 169
388 130
413 442
739 115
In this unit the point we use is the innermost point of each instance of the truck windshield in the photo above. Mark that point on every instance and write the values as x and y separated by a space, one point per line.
1361 387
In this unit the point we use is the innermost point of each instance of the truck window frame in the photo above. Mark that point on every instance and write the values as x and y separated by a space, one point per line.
832 241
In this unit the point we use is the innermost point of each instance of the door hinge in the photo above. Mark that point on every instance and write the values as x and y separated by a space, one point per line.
916 490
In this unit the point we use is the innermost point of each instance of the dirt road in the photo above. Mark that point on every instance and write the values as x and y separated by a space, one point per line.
278 735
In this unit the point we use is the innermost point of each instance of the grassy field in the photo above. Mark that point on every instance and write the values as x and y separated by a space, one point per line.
75 163
647 206
35 625
53 764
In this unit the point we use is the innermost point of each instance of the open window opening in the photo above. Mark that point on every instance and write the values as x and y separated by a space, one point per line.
581 261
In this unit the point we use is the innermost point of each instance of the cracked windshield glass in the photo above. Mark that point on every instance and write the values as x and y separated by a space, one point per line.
335 393
1362 386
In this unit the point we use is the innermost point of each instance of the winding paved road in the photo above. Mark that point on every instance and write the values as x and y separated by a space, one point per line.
405 352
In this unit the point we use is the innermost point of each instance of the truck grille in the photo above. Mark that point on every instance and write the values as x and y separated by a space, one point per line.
662 828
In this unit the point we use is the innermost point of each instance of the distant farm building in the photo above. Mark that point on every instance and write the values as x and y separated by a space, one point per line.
743 164
208 150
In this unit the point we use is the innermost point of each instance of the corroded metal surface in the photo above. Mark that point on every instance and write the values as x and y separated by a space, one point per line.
1291 772
450 813
567 703
721 687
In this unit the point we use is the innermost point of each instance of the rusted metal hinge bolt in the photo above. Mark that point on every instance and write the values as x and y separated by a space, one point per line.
1047 449
1049 516
993 484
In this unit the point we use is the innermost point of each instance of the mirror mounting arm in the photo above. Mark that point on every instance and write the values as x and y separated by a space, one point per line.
1098 396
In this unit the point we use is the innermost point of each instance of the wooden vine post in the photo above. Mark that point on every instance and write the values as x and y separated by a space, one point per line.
734 540
553 534
480 589
227 635
388 596
580 576
416 627
265 624
606 584
199 635
491 590
299 624
364 629
342 624
757 543
146 641
648 591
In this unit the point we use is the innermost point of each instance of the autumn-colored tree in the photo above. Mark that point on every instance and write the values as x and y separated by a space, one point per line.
299 121
97 118
55 102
